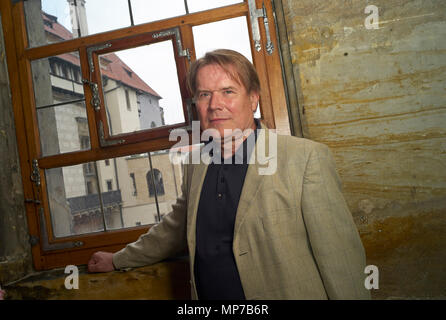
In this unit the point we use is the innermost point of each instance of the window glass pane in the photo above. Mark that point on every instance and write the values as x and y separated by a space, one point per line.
136 96
63 129
144 11
167 176
104 15
50 21
228 34
57 79
200 5
73 196
112 194
59 97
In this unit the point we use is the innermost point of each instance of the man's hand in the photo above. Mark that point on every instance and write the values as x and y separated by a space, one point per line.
101 262
2 294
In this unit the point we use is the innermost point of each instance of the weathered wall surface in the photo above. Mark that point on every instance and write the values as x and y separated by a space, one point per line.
377 98
15 253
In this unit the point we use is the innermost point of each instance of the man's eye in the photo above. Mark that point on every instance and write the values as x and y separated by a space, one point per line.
203 94
228 92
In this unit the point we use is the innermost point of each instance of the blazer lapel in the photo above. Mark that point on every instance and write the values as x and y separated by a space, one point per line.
253 180
198 175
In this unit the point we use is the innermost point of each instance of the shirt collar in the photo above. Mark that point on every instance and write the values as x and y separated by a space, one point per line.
242 154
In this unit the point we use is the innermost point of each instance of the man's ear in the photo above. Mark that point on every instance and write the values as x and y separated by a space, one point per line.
254 98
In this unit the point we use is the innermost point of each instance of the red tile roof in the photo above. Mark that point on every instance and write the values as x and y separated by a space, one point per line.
118 70
115 68
52 26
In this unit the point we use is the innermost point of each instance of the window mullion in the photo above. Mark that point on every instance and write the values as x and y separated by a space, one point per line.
101 202
152 173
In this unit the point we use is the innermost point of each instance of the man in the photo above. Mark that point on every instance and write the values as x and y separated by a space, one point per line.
287 234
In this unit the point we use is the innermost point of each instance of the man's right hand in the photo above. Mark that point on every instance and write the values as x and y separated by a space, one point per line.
101 262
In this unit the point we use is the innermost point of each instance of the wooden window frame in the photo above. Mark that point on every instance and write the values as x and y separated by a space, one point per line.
130 42
19 56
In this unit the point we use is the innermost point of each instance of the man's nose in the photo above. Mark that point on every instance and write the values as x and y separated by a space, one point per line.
215 102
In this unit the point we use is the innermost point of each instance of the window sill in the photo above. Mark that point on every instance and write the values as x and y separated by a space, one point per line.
162 281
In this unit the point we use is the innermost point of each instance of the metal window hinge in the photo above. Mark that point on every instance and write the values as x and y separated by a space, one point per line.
176 32
254 14
103 141
35 174
185 53
90 54
95 100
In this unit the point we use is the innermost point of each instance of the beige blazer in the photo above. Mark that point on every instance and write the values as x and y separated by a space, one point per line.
294 237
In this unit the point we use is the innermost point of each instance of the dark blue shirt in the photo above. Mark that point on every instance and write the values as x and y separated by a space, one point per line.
215 269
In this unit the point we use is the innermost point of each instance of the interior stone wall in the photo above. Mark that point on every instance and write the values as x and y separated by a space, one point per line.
15 252
376 97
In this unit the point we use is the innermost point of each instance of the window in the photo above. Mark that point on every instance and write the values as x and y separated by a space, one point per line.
132 176
89 169
155 183
85 142
127 100
75 127
109 185
89 187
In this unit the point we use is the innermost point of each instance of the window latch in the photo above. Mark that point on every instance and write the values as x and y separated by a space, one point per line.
95 100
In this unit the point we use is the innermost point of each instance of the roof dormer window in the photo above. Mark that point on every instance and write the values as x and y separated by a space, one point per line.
129 72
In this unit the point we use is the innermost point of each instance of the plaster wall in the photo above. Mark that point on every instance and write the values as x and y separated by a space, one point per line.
376 97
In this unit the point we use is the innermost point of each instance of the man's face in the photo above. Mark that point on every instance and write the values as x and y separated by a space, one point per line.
222 102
